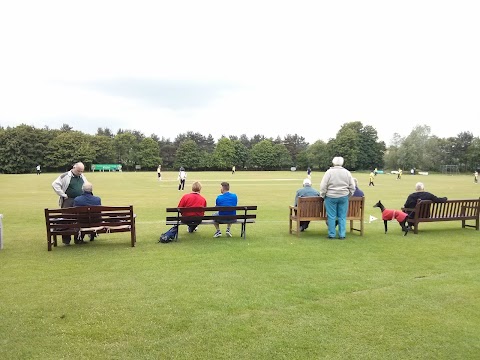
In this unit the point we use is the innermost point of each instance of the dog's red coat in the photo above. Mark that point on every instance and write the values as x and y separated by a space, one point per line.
389 214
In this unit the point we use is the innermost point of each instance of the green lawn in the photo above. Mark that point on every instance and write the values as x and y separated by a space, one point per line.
271 296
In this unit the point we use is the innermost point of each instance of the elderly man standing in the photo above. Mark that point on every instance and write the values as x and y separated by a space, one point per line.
68 186
336 187
306 190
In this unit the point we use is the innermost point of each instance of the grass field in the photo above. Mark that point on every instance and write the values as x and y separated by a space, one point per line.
271 296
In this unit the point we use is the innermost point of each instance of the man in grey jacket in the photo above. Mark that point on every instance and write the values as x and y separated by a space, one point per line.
68 186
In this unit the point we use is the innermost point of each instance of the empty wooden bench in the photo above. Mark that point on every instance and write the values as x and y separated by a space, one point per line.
83 220
451 210
243 216
312 208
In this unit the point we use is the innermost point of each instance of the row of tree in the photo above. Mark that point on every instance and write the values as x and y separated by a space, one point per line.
23 147
422 150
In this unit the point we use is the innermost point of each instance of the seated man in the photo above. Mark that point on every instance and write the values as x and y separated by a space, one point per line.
87 199
358 192
306 190
226 198
193 199
419 194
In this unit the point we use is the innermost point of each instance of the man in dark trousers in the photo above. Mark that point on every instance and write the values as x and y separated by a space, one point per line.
68 186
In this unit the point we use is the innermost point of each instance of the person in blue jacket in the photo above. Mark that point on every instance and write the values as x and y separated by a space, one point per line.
226 198
306 190
357 192
87 199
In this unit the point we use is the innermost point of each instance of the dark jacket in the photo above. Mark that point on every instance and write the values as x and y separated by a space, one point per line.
358 193
421 195
87 199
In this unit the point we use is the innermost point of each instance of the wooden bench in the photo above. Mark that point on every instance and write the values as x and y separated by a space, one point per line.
82 220
242 217
312 208
451 210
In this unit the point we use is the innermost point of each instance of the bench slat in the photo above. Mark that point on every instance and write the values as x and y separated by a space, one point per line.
213 208
211 217
211 222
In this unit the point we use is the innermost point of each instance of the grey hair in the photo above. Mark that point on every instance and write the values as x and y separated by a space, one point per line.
419 186
87 186
337 161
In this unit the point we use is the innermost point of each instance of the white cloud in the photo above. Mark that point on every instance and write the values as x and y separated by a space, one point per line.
302 67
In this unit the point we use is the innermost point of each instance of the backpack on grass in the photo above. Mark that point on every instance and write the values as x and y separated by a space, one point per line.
169 235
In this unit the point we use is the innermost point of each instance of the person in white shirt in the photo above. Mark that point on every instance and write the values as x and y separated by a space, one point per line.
182 176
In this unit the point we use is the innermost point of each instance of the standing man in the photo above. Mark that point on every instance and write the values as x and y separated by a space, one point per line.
68 186
226 198
159 172
336 187
475 177
399 175
306 190
38 169
233 169
182 176
309 173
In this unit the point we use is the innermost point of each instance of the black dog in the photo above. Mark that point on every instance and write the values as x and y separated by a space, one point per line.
388 214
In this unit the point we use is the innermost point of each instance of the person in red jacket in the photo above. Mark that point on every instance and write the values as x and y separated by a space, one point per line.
193 199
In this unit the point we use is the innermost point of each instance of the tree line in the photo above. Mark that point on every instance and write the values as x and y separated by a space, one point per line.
24 146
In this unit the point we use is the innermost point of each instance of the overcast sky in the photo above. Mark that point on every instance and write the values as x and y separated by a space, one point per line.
241 67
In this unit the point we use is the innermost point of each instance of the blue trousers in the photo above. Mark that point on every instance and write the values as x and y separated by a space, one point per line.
337 208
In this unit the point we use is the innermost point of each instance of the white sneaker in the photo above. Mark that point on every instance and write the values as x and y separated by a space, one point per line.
218 233
229 234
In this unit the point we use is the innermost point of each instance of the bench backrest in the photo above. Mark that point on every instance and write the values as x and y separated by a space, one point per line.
314 207
311 207
88 216
213 208
241 213
468 208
